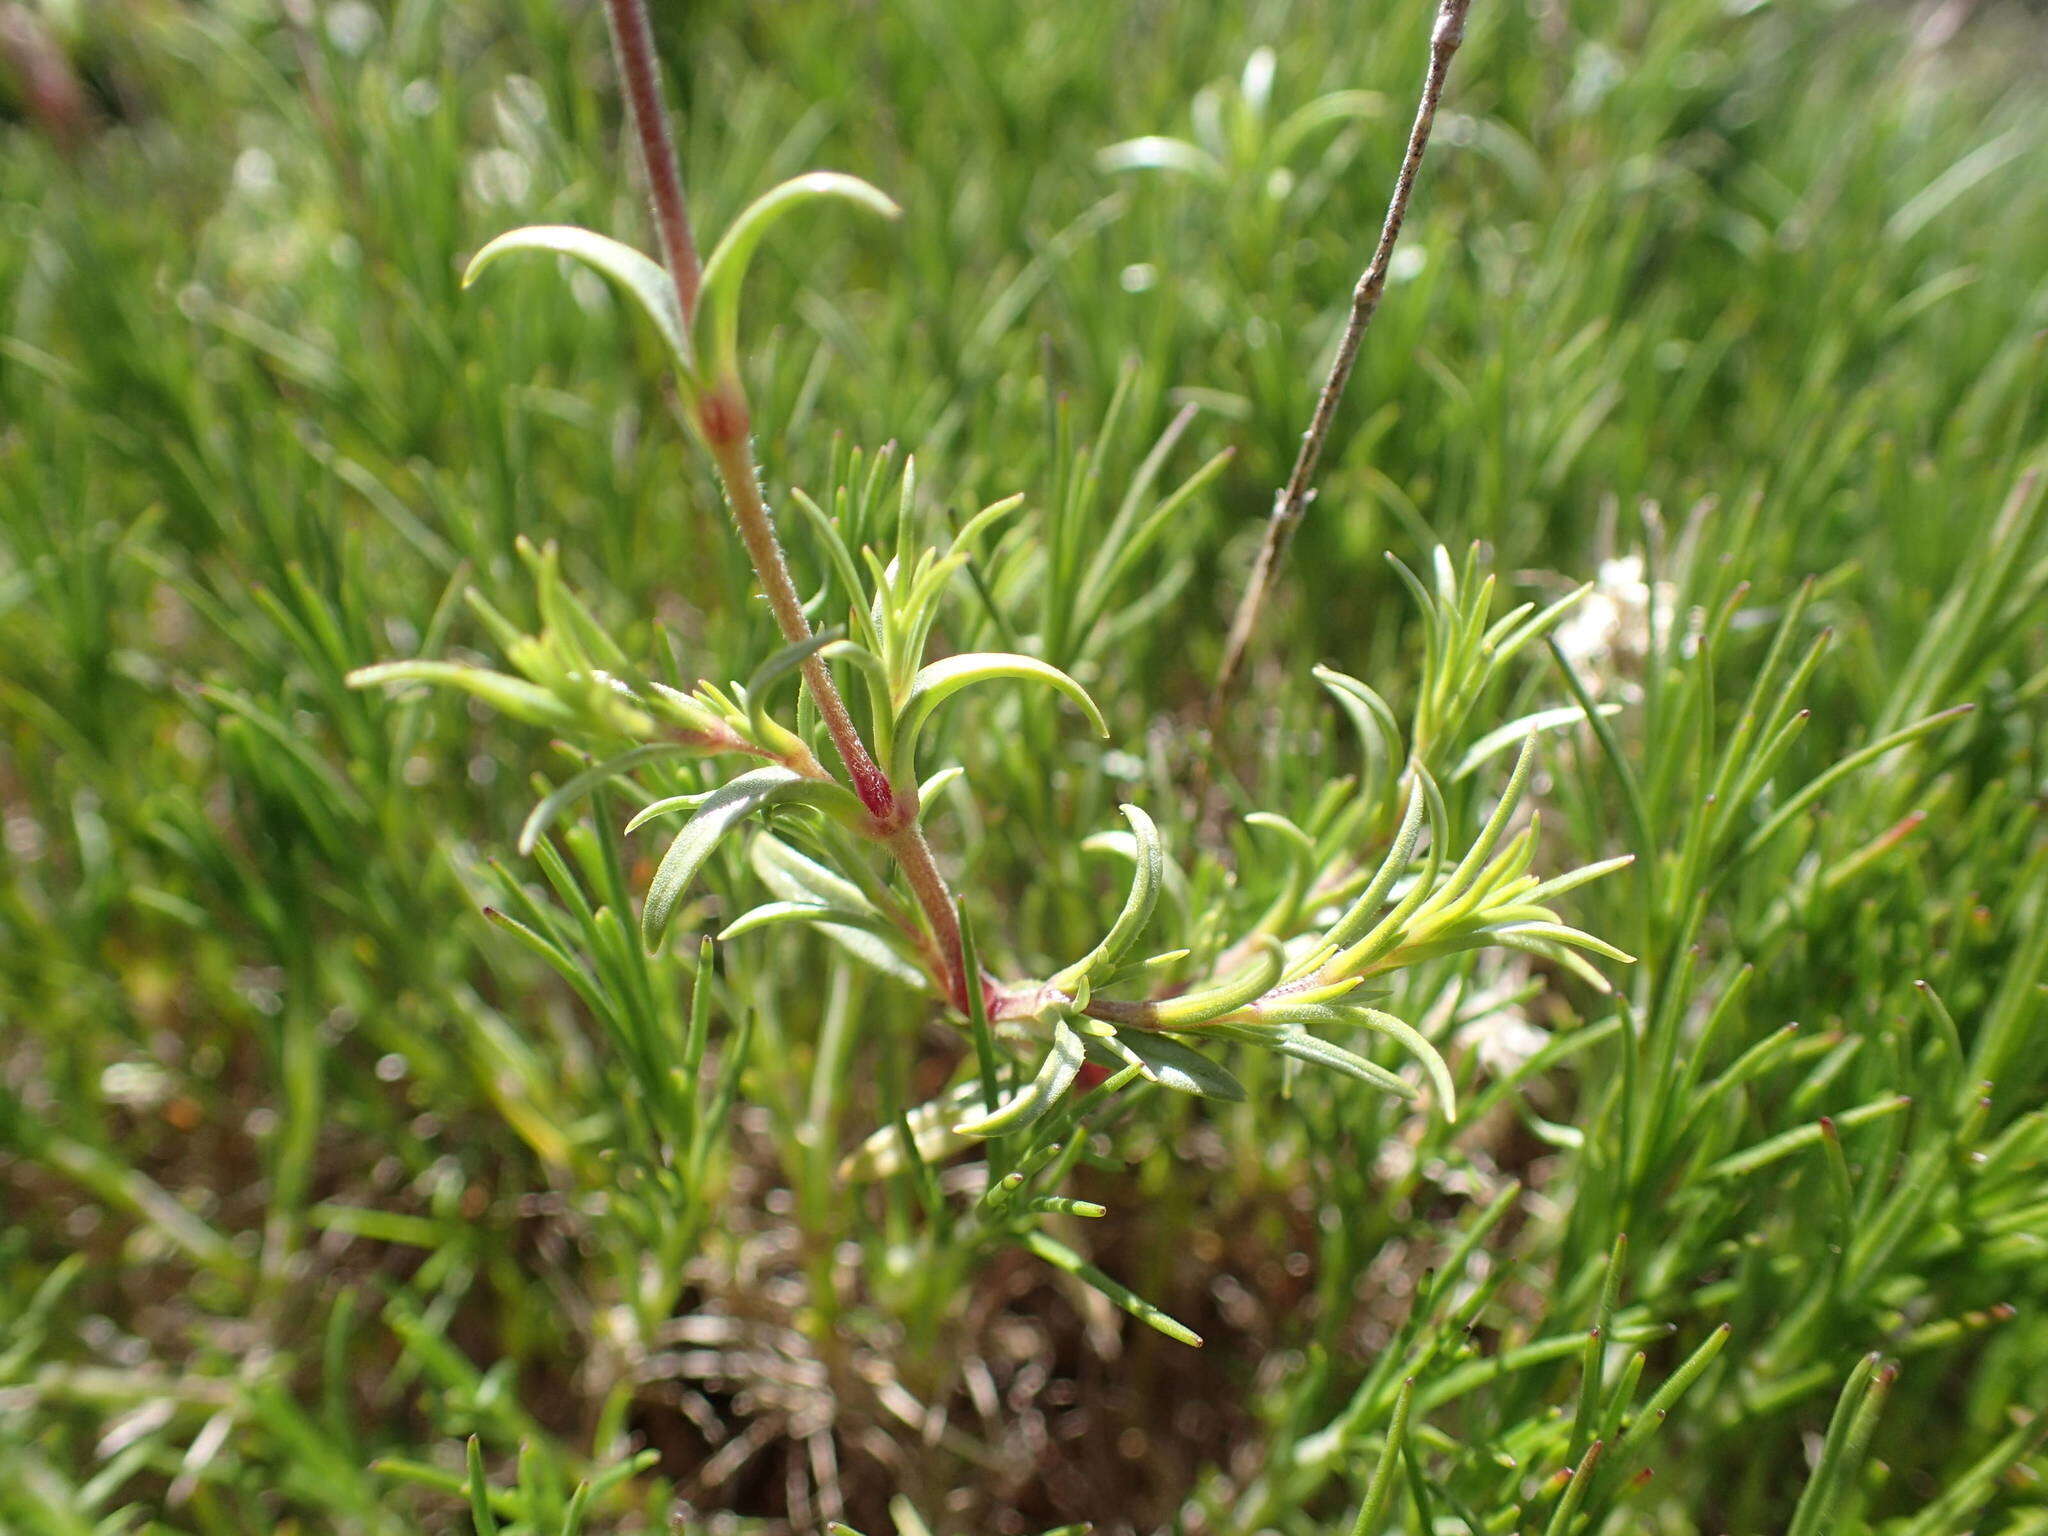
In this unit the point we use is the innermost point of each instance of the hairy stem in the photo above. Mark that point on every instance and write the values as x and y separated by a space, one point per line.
893 808
935 900
725 424
757 531
633 46
1294 497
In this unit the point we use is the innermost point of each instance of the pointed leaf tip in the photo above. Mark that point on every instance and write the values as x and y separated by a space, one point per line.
718 303
940 680
639 277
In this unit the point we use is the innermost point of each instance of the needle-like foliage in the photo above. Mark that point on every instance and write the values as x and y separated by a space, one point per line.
579 953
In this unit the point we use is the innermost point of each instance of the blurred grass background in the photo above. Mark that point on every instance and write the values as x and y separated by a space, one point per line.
302 1166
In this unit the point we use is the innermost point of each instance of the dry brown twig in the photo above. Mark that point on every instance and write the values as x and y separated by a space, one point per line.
1293 499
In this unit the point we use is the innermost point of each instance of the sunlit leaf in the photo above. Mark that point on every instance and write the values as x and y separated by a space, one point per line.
640 278
1157 152
721 810
939 681
1172 1064
1054 1077
718 300
508 695
1147 876
568 793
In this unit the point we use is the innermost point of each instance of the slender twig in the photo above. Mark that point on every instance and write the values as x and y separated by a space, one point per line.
633 47
722 419
1294 497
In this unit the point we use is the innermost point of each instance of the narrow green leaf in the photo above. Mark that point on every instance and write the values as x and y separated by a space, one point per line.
508 695
798 879
1352 926
1799 1138
479 1491
1060 1256
1055 1076
939 681
1372 1514
1796 804
931 1133
1420 1048
723 809
1501 738
1666 1396
1174 1065
761 685
1156 152
778 914
640 278
1147 876
1575 1492
718 298
1368 711
1303 1046
1840 1452
1227 996
567 794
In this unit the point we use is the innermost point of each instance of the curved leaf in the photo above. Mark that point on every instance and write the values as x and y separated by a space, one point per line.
720 811
1157 152
1412 1039
796 876
1315 1050
1055 1076
508 695
640 278
1489 837
1335 107
931 1132
1368 711
803 881
778 666
564 795
1301 872
1172 1064
929 791
1147 875
841 559
1387 933
1060 1256
718 298
938 682
1352 925
663 806
774 914
1503 737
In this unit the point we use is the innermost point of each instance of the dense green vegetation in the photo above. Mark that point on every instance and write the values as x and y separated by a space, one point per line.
362 1173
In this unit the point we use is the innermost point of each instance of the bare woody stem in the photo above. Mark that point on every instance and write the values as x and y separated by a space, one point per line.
724 422
1295 496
